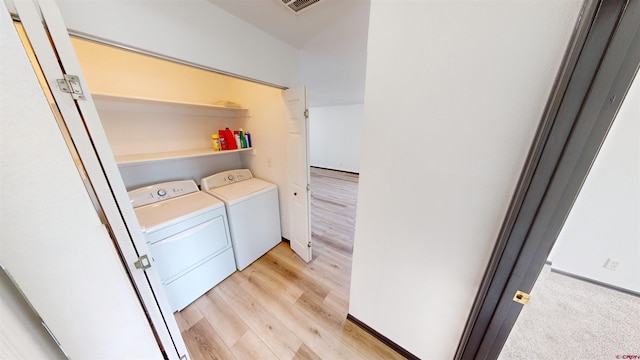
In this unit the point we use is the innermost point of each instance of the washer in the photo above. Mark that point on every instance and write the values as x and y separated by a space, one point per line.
252 209
188 236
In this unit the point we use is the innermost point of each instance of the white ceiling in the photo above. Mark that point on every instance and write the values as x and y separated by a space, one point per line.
331 37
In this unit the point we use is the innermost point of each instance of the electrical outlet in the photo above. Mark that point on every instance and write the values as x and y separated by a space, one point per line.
611 264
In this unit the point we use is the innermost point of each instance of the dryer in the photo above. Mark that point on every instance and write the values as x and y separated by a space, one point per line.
188 236
252 209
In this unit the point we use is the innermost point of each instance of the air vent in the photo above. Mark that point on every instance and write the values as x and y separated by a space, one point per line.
298 5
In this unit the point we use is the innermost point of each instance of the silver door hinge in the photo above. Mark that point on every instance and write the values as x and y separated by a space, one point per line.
308 187
306 113
71 84
143 262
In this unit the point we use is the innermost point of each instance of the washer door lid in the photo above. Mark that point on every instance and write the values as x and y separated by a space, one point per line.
241 190
171 211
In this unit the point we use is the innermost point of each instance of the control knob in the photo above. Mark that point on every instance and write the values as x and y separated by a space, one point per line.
162 192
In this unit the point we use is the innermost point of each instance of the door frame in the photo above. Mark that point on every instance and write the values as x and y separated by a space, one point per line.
598 69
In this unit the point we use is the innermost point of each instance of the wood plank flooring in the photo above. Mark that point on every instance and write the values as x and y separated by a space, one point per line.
281 308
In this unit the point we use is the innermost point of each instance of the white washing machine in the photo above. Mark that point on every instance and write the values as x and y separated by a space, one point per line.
252 209
188 236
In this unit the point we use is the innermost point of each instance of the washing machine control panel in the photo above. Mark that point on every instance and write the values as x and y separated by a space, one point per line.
225 178
158 192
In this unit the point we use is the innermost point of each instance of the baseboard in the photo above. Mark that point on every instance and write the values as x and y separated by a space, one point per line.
596 282
284 239
342 171
399 349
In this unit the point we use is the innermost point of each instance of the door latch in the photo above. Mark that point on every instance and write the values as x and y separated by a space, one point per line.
143 262
71 84
521 297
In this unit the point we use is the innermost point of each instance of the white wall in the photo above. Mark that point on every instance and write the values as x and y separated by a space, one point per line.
191 30
22 336
605 219
462 87
332 63
335 137
51 240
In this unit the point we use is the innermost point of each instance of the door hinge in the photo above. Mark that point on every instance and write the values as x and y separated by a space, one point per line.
143 262
71 84
306 113
521 297
309 244
308 187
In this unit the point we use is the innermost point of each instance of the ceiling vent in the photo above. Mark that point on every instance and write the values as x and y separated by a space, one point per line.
299 6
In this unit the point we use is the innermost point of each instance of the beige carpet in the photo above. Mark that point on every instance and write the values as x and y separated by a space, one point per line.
567 318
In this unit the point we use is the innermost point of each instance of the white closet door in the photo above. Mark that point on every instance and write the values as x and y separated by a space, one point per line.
90 141
298 195
52 241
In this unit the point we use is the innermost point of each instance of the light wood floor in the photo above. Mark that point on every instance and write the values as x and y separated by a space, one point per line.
281 308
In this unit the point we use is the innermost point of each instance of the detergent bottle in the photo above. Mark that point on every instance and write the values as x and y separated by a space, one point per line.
236 135
230 139
222 140
216 142
243 140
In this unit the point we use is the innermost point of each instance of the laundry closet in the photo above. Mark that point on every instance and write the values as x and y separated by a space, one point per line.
140 121
159 117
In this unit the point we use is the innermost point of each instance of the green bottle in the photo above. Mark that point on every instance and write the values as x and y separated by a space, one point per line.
243 140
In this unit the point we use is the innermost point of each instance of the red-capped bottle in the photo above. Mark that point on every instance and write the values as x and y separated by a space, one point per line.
224 145
230 139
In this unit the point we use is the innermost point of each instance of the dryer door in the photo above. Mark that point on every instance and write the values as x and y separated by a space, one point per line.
177 254
192 261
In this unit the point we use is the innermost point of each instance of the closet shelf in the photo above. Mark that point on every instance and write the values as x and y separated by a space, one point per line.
146 105
140 159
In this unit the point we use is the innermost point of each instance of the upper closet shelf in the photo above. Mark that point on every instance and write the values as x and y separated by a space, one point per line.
141 159
144 105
